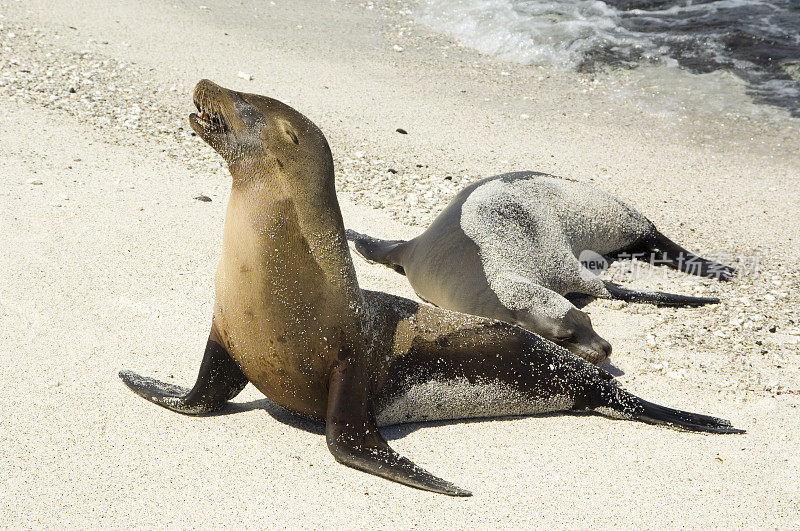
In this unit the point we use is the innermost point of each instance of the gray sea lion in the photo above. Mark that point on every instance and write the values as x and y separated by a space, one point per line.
510 247
290 318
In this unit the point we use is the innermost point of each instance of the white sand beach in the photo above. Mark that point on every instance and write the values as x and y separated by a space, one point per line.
107 263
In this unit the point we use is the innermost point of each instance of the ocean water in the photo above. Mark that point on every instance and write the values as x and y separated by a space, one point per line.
756 40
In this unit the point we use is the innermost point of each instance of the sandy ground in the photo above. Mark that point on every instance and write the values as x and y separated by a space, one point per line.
108 264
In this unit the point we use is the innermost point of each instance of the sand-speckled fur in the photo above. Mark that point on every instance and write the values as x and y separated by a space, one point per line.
509 247
290 318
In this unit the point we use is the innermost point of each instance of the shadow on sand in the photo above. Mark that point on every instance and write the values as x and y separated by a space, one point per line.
391 433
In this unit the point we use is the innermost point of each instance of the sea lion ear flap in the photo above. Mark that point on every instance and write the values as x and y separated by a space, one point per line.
289 132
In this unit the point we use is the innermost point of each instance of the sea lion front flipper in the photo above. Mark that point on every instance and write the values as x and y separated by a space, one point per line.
658 298
220 380
355 441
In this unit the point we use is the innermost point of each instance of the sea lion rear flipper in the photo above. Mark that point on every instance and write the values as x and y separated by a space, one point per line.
660 250
355 441
378 251
682 420
659 298
220 380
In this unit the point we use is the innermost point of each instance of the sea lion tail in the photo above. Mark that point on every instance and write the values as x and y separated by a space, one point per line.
373 250
628 406
658 298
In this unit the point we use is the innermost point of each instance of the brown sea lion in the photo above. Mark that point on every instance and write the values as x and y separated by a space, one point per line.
290 318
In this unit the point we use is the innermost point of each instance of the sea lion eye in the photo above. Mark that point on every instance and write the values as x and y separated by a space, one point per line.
564 336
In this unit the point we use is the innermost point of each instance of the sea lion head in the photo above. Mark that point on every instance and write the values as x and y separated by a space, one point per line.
259 136
572 330
575 333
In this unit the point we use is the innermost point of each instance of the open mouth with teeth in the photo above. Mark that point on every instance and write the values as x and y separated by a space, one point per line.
208 118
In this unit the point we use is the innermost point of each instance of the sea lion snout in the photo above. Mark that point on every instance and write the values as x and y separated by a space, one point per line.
593 349
212 122
605 346
225 113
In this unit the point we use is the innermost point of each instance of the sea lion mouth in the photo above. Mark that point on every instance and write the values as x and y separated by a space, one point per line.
208 117
209 121
590 354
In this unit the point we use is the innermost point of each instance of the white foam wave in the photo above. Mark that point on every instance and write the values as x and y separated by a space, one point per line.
562 32
754 39
557 33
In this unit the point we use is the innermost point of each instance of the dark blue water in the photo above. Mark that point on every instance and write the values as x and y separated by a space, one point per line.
757 40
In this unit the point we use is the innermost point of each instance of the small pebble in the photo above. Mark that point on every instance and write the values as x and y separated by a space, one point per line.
34 180
401 131
203 198
245 76
397 48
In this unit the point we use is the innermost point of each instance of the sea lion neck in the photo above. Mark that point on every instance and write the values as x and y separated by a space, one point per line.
308 221
269 185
